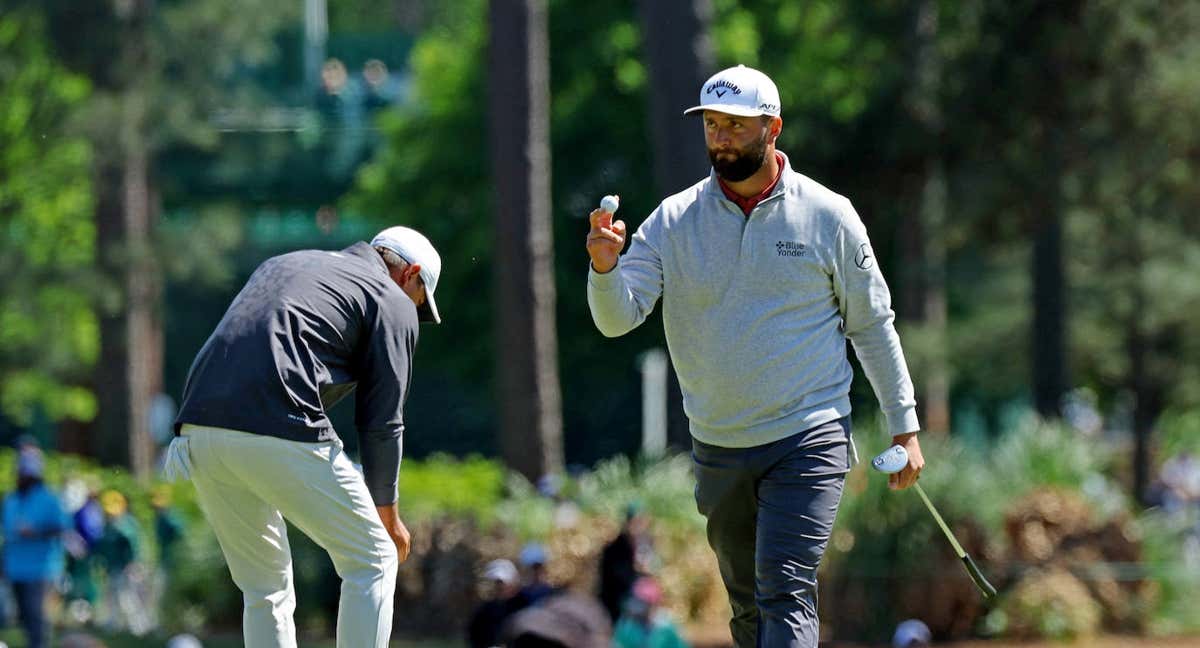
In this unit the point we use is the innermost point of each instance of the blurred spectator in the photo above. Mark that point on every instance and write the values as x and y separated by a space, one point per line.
88 523
380 89
501 583
912 633
34 523
327 219
335 98
184 641
566 512
1178 491
537 586
563 620
27 442
80 640
168 528
1080 411
118 550
168 532
549 486
1180 482
624 559
342 144
643 623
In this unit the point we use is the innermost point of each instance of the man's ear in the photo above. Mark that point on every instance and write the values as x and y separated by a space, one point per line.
775 128
413 270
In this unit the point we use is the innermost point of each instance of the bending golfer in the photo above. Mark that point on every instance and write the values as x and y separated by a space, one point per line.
763 274
305 330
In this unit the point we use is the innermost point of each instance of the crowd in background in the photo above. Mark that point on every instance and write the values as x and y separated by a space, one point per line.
80 552
345 105
521 607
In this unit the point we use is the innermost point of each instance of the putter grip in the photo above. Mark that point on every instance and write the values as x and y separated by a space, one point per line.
977 576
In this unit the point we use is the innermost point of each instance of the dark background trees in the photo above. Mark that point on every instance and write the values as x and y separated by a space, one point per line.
1025 168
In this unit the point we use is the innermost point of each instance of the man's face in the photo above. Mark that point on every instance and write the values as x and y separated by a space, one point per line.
408 277
412 284
737 146
495 589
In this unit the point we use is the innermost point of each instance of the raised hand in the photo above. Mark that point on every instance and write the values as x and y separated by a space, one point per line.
605 240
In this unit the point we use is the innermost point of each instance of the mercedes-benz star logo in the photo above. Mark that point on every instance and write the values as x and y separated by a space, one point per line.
863 258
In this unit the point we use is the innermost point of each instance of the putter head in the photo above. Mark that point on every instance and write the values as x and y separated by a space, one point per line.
890 461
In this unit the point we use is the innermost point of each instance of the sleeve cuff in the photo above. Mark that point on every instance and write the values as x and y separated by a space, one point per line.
604 280
902 421
385 499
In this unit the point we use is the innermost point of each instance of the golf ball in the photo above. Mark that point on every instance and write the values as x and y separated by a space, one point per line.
610 204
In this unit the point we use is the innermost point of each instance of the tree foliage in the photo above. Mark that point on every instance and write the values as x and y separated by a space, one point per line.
1087 108
432 174
48 328
1091 104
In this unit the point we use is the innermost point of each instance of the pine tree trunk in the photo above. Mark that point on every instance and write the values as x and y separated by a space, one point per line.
129 373
1049 310
527 349
1049 332
679 55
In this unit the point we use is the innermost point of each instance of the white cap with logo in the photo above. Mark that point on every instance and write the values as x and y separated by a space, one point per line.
413 247
741 91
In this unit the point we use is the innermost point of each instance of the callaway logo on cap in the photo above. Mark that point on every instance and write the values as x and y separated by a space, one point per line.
413 247
741 91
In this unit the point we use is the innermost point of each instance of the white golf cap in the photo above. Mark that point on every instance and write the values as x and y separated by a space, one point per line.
741 91
413 247
501 570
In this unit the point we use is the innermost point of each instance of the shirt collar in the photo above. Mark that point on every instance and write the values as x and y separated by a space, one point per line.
363 250
718 187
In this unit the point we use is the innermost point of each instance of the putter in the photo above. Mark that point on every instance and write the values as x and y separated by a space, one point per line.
893 460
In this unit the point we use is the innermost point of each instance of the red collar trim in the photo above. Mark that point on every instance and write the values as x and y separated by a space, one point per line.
748 204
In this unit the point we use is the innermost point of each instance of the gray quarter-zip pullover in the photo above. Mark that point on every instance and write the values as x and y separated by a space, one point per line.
757 310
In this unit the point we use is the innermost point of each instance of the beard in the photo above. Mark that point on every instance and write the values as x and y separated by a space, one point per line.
743 164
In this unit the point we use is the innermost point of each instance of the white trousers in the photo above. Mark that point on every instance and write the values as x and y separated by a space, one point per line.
247 484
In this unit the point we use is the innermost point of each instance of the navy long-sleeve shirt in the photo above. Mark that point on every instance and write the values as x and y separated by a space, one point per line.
306 330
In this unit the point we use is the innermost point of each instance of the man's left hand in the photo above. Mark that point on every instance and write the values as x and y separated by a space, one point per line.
916 462
390 516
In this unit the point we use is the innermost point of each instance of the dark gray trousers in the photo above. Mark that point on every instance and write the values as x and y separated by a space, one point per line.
770 511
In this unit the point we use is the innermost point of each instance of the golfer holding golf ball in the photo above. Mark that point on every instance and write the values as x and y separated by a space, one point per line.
763 274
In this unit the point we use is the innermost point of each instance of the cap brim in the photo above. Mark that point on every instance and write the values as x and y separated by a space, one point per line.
428 311
729 109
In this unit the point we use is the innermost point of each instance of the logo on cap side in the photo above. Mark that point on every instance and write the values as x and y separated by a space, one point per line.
716 87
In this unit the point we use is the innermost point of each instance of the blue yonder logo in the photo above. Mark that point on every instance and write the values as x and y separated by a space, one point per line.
790 249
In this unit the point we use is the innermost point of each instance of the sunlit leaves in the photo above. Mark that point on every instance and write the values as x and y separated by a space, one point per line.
48 331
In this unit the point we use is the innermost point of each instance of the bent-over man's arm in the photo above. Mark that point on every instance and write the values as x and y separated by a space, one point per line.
379 410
